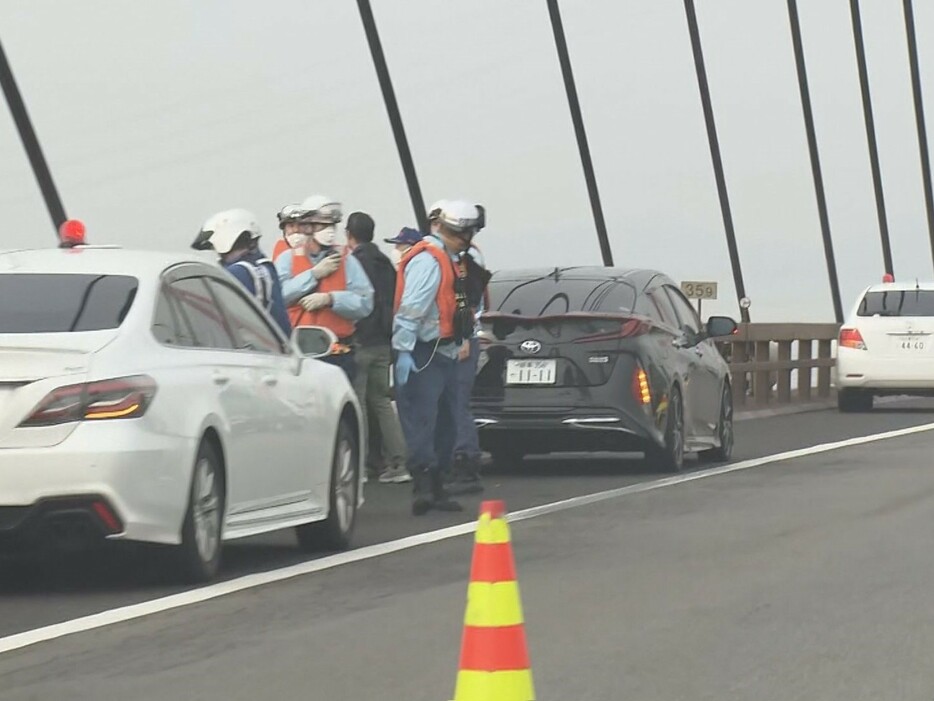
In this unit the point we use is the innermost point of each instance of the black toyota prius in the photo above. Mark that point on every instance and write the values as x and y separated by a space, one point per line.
600 359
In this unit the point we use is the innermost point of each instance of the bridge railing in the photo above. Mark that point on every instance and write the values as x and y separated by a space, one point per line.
780 363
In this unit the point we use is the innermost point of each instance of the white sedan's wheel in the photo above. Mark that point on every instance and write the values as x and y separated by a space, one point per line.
345 485
335 531
200 552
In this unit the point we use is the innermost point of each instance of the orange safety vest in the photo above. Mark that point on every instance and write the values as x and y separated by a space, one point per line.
445 297
281 247
336 282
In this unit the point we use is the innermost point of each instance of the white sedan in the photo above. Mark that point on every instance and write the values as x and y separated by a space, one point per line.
886 346
146 397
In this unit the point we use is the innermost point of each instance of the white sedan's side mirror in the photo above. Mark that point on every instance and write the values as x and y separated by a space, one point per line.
314 341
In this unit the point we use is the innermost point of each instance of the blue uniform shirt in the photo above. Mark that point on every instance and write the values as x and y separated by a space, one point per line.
276 305
418 318
354 303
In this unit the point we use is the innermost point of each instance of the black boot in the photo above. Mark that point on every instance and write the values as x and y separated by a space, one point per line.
464 478
421 491
441 501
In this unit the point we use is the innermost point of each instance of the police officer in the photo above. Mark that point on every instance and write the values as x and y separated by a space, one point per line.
464 477
432 320
234 234
322 285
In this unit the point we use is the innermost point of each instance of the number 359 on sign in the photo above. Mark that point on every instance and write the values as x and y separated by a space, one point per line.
699 290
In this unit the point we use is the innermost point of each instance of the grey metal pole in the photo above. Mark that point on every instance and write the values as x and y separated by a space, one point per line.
27 135
576 117
392 107
871 136
815 159
919 118
715 155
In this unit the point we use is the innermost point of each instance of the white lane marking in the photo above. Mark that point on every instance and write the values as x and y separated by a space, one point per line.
251 581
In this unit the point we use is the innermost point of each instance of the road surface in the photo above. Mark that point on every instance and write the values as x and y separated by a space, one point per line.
798 578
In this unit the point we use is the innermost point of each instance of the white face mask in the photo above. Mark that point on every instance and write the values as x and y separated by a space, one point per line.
326 236
296 239
395 255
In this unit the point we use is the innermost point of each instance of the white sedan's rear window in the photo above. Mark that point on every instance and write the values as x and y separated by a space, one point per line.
897 303
63 303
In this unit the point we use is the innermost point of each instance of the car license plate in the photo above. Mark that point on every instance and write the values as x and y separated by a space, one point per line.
911 344
531 372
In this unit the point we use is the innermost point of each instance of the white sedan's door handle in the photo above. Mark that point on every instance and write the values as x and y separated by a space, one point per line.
270 380
221 379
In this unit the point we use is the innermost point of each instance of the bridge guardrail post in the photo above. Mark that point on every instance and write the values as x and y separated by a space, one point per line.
805 349
762 386
784 375
823 371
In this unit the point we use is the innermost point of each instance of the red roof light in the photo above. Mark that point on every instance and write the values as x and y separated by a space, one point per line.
72 233
888 277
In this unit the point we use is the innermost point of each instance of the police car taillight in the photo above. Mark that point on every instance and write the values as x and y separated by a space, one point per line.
851 338
121 398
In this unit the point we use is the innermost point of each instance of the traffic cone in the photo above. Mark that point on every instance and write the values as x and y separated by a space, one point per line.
494 662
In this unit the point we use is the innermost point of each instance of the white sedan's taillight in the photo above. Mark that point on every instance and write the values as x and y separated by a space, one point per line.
851 338
121 398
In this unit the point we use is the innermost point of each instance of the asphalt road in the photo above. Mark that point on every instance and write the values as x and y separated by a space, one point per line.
803 579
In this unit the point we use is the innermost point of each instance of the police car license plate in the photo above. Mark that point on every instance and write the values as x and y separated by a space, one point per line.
912 344
531 372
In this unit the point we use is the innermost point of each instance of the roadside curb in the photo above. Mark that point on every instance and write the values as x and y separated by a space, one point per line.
800 409
785 410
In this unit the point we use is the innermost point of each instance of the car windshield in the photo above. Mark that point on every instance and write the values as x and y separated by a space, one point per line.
63 303
897 303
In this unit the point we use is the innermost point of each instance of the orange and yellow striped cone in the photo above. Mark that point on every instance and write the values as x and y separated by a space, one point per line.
494 662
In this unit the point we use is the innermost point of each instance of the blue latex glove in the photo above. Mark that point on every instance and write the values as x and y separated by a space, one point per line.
405 364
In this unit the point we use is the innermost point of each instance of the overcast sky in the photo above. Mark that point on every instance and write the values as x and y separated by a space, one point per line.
153 115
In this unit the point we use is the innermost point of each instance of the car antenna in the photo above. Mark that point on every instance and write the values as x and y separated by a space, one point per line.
557 273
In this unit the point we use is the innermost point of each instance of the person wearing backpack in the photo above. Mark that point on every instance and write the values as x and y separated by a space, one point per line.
234 235
374 356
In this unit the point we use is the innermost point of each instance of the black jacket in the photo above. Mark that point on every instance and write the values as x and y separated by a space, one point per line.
376 329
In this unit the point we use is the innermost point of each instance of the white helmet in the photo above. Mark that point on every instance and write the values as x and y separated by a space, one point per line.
291 212
435 209
321 209
460 216
224 228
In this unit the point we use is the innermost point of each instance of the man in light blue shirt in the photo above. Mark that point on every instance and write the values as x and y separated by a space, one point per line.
321 285
354 303
432 321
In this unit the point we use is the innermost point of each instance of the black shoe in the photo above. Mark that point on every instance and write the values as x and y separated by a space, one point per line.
440 499
422 498
464 478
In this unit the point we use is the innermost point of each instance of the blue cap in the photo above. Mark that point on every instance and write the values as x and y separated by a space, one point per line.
406 235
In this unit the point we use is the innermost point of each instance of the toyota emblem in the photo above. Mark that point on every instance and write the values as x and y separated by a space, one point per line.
531 346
